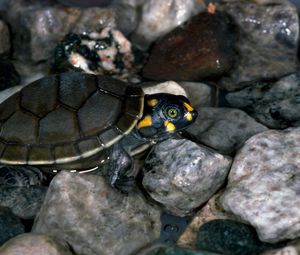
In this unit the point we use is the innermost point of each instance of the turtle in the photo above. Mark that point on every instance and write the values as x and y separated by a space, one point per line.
78 121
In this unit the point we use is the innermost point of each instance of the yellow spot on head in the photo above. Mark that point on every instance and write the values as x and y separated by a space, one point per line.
145 122
170 127
188 107
152 102
189 116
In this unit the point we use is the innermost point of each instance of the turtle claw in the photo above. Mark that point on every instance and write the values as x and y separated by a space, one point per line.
125 184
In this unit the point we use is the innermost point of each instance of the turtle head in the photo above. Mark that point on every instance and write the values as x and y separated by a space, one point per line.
164 114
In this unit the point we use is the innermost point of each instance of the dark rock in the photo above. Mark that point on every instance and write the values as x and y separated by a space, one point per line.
35 244
9 77
96 219
162 250
4 39
182 175
230 237
268 41
10 225
202 47
224 129
275 104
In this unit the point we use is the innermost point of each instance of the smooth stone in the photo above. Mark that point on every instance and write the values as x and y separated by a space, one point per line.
35 244
38 27
162 250
4 39
230 237
25 202
10 225
9 76
224 129
274 104
210 211
268 41
160 17
264 184
182 175
96 219
208 36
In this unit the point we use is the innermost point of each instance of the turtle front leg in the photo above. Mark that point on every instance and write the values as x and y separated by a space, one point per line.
119 172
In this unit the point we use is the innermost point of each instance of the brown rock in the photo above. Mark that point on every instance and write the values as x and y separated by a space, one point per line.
202 47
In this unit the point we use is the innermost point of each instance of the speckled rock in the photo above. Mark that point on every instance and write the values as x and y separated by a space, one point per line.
10 225
38 27
96 219
224 129
288 250
208 36
275 104
210 211
182 175
264 184
160 17
9 77
230 237
268 40
35 244
4 39
162 250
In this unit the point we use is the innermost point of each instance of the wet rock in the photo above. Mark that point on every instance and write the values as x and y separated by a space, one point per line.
9 77
38 27
264 184
210 211
224 129
163 250
10 225
160 17
230 237
4 39
268 40
208 36
182 175
96 219
200 94
275 104
35 244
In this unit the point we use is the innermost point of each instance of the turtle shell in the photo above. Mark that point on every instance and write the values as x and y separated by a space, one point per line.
66 117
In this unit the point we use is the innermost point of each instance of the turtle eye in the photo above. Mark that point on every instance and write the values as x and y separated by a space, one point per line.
172 112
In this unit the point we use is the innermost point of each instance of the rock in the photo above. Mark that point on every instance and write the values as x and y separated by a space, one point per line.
25 202
160 17
38 27
230 237
96 219
288 250
200 94
224 129
4 39
86 3
10 225
182 175
268 41
35 244
163 250
9 77
263 184
208 36
275 104
210 211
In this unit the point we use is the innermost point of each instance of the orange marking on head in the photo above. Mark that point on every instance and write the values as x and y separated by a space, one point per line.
188 107
211 8
152 102
145 122
170 127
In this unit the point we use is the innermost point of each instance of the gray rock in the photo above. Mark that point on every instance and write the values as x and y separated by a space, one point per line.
10 225
275 104
200 94
224 129
268 40
35 244
264 184
25 202
160 17
182 175
4 39
96 219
